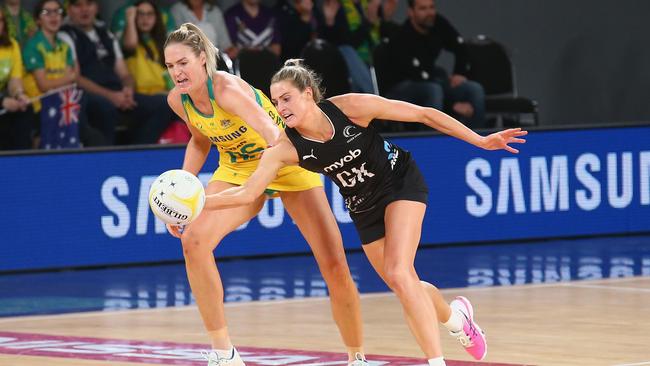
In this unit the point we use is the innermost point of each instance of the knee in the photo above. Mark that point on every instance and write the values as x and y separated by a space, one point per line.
336 270
428 286
195 246
397 278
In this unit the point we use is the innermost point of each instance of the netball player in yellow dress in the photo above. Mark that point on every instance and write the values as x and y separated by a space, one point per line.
224 110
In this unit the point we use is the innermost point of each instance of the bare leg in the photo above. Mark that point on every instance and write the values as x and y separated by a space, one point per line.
375 254
403 226
199 239
311 212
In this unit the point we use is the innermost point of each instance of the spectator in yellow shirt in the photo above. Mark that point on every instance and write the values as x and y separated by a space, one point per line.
16 116
144 38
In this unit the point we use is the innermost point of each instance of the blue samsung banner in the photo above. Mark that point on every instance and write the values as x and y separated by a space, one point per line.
90 208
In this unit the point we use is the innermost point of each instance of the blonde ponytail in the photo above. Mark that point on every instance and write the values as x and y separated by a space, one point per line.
193 37
302 77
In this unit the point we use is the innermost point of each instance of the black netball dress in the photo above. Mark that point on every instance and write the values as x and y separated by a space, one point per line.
369 171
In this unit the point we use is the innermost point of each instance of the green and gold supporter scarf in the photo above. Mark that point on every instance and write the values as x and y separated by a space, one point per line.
25 27
353 13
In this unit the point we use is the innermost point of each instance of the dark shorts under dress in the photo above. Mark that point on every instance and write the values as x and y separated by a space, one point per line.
411 186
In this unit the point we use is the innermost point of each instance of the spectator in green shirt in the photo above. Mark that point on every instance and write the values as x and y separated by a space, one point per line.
48 61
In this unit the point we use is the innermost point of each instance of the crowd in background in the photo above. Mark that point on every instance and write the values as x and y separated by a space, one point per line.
118 63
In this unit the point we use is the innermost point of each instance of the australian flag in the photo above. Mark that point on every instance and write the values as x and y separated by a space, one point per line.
60 119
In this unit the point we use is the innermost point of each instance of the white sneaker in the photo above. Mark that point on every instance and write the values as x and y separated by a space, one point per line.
215 360
359 360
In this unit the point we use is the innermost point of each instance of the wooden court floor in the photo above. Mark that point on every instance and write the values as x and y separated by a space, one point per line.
603 322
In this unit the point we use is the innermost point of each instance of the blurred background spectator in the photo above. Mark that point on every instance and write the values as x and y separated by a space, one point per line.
20 24
16 116
253 26
108 83
554 68
118 18
49 61
413 52
50 65
368 21
143 42
207 16
345 24
463 98
297 25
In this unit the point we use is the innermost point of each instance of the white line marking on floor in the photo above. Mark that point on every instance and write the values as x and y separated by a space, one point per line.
604 287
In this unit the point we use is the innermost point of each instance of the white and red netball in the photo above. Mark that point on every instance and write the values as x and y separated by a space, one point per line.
177 197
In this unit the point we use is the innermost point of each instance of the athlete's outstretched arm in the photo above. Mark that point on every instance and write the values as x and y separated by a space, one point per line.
363 108
272 161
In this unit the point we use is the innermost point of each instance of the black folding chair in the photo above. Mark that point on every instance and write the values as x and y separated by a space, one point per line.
257 67
382 66
491 66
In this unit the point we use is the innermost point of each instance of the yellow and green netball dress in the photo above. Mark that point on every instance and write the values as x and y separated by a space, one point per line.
240 146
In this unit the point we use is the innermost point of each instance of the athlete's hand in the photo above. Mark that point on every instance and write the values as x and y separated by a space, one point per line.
500 140
175 230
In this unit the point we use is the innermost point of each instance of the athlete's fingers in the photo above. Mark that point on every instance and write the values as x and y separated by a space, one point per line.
512 132
511 149
174 230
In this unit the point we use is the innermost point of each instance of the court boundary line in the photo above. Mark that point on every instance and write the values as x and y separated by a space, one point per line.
604 287
615 279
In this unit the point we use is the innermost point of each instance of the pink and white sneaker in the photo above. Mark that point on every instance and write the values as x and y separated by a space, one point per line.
471 336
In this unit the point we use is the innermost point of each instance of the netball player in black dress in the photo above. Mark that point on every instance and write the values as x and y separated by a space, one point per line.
382 186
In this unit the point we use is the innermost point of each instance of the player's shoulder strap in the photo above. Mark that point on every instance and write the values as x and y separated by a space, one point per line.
185 98
333 112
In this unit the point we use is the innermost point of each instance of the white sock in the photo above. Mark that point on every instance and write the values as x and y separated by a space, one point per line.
455 322
438 361
223 353
358 356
